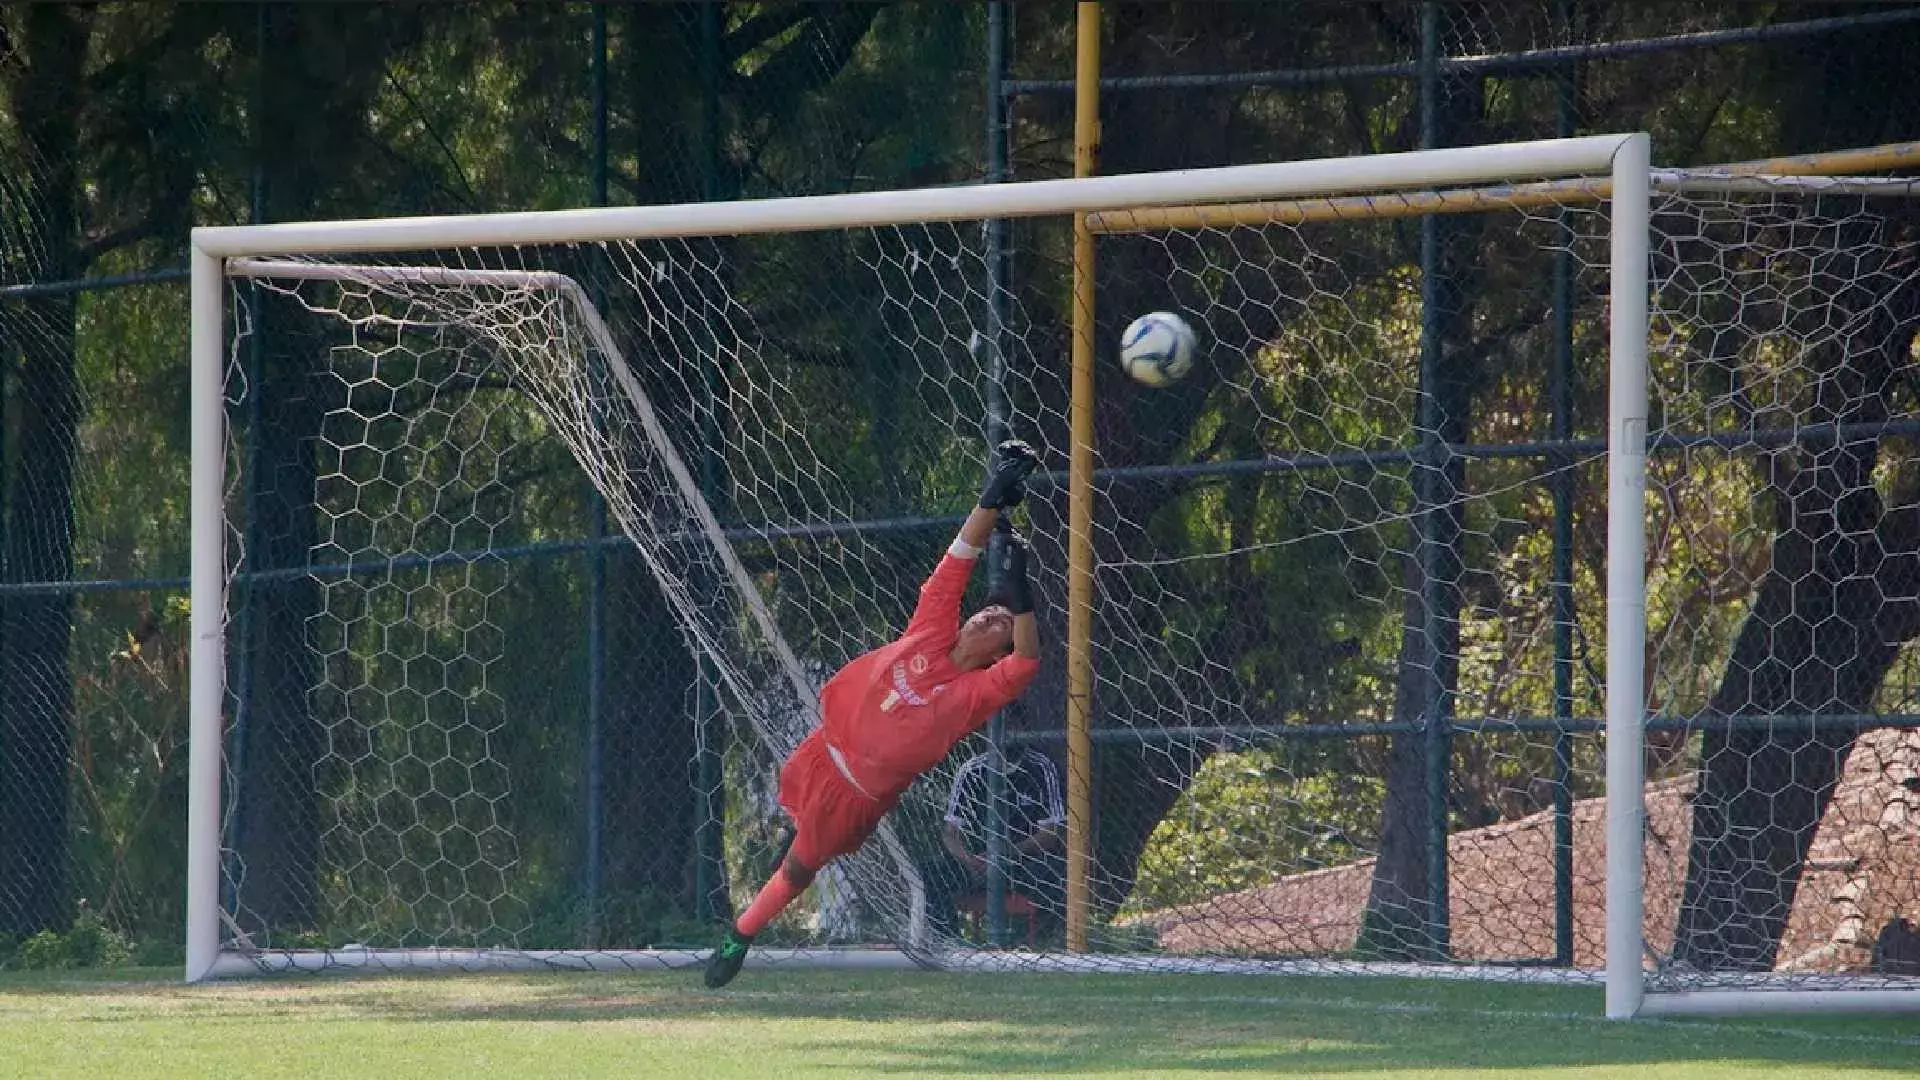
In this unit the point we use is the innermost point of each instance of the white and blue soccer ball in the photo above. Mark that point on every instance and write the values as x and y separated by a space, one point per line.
1157 348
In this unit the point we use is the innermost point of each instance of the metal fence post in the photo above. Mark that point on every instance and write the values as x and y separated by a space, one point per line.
1560 391
1434 533
597 558
997 430
710 801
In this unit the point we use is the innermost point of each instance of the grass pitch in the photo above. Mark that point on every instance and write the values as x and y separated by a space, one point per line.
921 1025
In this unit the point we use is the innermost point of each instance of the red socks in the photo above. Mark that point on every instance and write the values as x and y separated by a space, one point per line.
774 897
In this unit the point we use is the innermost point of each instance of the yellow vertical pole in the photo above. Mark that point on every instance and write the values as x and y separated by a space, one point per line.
1086 150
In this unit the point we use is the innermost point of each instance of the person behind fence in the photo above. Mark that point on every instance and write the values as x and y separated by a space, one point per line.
1034 813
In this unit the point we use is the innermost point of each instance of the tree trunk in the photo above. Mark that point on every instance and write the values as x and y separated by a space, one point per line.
276 823
1826 624
649 763
36 731
36 688
275 809
650 818
1399 921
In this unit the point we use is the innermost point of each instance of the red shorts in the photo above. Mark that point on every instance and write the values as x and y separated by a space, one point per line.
830 816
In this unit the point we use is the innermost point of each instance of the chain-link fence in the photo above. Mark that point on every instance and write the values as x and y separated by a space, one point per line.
628 800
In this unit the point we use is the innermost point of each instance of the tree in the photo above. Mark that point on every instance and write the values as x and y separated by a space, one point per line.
1400 922
318 70
710 102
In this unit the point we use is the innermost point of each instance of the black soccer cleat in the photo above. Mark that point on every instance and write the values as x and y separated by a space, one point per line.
725 962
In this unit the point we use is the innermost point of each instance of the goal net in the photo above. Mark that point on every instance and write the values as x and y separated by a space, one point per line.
536 536
1783 756
1772 785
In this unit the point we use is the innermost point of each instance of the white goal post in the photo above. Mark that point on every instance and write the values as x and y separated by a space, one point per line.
221 253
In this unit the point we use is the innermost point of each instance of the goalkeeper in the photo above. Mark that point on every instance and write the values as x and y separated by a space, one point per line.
895 712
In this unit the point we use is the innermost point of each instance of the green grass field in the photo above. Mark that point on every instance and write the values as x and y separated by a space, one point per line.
795 1023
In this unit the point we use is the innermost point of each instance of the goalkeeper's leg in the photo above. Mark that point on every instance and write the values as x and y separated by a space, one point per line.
782 889
830 819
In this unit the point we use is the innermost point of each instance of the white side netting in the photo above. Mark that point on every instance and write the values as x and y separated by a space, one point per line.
679 404
1782 754
1782 848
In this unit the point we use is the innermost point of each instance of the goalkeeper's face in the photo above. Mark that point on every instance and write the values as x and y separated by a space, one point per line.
984 639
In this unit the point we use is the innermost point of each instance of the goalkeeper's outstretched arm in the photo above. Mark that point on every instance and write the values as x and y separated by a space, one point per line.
977 529
1013 590
1005 489
1026 636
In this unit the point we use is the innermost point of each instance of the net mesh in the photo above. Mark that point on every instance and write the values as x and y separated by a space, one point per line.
1781 588
1356 560
1347 659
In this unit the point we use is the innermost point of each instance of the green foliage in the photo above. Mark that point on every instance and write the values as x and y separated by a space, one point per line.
88 943
43 951
1249 817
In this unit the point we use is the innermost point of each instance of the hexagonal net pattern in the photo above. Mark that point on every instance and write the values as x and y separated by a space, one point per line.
1352 569
1348 578
784 430
455 427
1782 755
1349 710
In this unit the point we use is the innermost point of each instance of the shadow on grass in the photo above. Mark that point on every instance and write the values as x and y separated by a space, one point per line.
912 1023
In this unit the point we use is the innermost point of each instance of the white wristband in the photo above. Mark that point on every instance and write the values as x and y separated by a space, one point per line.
960 549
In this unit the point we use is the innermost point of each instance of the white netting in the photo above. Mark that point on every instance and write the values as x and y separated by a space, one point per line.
1782 597
1782 588
690 402
1257 529
1301 561
1352 564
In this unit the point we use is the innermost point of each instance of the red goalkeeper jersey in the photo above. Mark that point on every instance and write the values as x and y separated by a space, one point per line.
895 712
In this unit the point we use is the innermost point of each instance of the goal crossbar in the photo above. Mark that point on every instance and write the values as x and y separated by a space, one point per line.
1592 154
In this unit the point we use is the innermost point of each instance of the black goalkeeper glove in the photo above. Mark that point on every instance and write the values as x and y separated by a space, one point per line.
1013 460
1011 589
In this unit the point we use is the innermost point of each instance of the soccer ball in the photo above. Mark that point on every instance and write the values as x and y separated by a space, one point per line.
1157 348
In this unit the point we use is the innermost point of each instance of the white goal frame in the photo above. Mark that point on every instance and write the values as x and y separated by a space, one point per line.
1622 159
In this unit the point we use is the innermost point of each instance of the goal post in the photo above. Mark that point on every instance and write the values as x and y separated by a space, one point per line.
486 288
1626 574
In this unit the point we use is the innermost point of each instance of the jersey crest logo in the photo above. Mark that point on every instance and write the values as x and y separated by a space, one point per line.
902 690
918 665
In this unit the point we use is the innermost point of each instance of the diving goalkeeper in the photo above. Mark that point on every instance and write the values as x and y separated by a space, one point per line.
895 712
